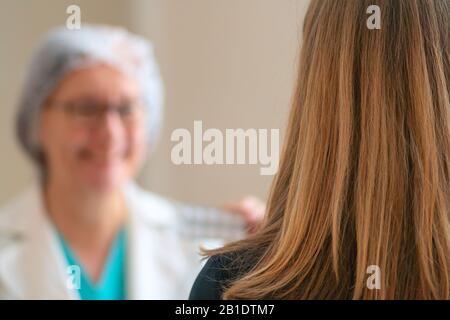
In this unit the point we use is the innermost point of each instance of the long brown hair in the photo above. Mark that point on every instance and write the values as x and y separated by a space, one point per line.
364 175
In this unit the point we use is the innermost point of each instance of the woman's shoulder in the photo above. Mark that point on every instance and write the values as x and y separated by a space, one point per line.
217 274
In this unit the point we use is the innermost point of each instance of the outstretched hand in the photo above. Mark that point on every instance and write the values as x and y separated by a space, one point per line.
251 209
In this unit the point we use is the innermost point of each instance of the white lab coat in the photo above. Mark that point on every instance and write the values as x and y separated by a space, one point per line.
162 247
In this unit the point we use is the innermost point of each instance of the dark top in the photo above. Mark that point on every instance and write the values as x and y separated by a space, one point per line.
212 279
218 273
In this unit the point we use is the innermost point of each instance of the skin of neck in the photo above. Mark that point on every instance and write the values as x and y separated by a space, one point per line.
87 219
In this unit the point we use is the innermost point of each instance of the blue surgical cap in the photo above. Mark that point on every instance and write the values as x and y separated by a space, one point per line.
62 51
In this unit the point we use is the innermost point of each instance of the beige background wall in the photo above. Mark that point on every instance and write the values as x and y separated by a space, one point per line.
229 63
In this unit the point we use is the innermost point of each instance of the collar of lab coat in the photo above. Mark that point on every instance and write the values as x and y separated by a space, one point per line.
32 266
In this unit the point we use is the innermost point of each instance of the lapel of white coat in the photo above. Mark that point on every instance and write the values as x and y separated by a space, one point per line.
37 269
151 264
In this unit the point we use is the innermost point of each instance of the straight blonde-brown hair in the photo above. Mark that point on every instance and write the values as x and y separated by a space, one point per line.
364 176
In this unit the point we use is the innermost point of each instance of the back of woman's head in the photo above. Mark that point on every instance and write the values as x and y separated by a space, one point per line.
364 178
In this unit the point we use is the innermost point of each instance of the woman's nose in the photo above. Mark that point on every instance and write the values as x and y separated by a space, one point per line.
109 127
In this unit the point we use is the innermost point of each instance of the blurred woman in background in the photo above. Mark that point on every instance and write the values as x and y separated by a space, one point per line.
89 114
363 187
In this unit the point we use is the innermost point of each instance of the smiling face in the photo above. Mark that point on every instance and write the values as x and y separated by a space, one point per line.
92 131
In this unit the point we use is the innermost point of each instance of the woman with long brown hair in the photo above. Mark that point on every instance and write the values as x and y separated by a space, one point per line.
364 178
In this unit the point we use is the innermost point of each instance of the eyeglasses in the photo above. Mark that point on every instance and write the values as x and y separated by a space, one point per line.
90 112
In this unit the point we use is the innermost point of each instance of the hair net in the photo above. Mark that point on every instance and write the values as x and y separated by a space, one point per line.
62 51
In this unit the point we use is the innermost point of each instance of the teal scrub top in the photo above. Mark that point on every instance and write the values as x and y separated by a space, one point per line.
112 282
